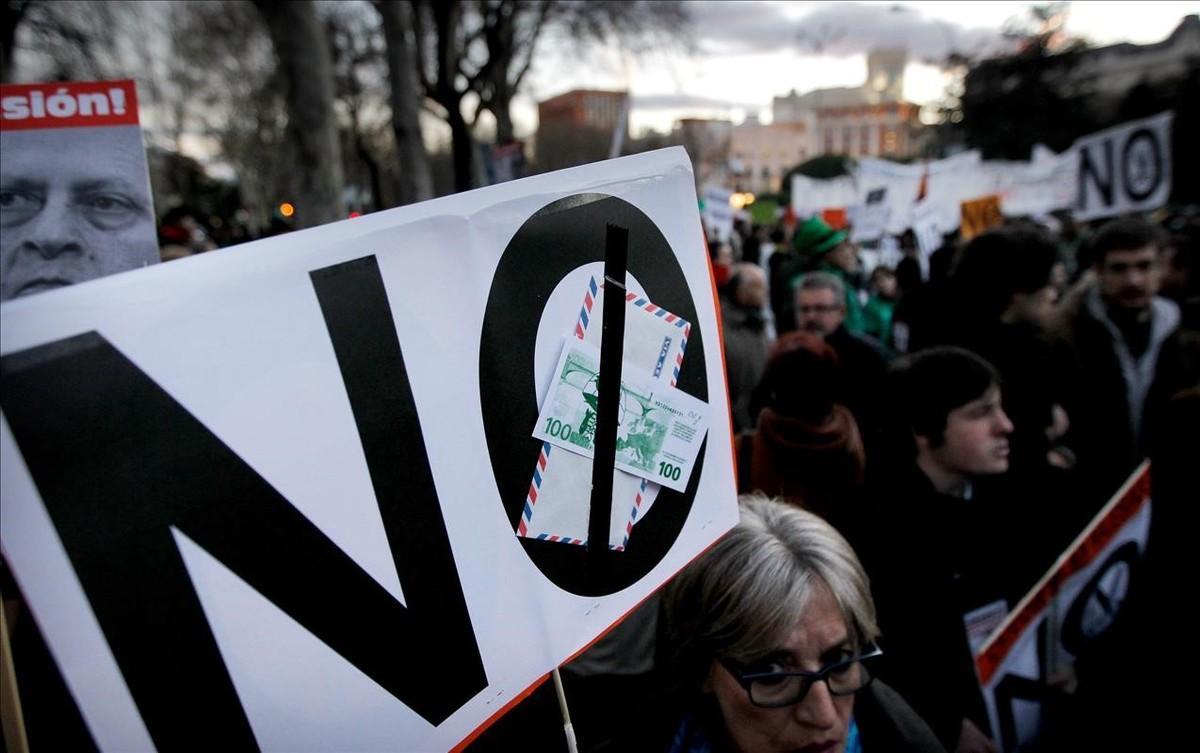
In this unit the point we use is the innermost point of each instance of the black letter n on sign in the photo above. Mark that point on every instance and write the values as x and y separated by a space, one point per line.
119 463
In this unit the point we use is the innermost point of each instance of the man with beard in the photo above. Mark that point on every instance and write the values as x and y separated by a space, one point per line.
1128 355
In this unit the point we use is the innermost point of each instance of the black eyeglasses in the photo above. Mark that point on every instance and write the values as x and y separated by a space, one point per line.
775 689
819 308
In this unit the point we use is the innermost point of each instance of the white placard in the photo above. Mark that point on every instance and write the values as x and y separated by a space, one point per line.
1072 605
870 217
271 430
1124 169
718 212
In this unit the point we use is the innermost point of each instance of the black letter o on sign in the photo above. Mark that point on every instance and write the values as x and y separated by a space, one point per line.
1141 190
558 239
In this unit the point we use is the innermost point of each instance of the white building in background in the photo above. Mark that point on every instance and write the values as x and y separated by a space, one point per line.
760 155
868 120
883 130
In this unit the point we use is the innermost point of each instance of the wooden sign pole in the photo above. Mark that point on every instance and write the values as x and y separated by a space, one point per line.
11 717
568 730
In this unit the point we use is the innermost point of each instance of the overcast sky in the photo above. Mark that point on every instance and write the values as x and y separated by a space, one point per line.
748 52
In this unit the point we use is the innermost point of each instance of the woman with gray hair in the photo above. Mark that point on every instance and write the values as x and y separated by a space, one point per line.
771 636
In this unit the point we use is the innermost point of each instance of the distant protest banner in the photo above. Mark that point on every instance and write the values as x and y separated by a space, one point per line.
927 228
950 181
1045 184
980 214
1072 605
718 212
1124 169
77 189
271 497
810 196
903 184
870 217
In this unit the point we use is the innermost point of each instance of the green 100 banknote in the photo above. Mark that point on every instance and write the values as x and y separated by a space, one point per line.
659 428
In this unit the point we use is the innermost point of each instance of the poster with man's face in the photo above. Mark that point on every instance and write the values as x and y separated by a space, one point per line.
75 200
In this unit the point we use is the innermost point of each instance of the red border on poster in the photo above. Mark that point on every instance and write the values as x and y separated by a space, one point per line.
1126 503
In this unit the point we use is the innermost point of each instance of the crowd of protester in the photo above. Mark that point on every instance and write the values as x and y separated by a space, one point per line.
961 428
916 445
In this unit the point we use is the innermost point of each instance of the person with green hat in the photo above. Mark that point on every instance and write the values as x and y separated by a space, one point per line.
824 249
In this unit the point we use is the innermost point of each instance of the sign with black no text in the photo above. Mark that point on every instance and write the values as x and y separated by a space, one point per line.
1124 169
1072 605
269 497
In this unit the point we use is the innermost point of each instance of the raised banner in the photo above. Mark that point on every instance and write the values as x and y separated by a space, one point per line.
269 497
718 212
812 195
870 217
903 184
1124 169
1070 606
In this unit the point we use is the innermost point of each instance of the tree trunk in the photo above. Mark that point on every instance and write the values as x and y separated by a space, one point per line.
447 26
415 181
373 170
502 109
304 60
463 148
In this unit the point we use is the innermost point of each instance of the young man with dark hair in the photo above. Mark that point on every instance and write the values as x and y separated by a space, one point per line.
1003 300
1127 355
921 544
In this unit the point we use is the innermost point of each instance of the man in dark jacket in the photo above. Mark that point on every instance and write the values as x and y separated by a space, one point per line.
927 547
820 308
1128 355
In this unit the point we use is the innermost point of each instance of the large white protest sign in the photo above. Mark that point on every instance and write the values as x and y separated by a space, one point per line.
1074 603
1124 169
77 202
268 497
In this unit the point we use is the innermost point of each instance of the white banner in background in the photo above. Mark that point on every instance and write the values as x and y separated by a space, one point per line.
950 182
870 217
903 184
928 229
1033 188
1124 169
811 195
268 496
718 212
